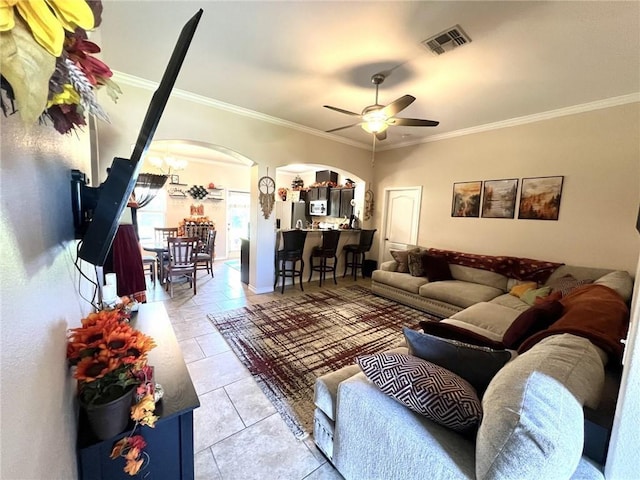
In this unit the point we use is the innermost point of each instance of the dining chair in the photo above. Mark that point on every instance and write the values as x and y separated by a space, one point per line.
149 264
161 236
205 258
182 262
163 233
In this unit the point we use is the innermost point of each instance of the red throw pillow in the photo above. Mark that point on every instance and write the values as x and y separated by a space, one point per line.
531 321
436 268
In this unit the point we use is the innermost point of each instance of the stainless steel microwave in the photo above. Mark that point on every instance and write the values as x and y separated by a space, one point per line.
318 207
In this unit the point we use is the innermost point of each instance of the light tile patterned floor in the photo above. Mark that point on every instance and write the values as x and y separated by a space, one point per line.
237 432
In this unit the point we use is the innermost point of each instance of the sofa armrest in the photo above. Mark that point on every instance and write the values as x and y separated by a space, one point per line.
389 266
533 408
378 438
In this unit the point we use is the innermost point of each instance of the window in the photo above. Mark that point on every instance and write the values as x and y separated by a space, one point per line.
152 216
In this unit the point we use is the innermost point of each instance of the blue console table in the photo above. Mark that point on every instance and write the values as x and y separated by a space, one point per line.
170 443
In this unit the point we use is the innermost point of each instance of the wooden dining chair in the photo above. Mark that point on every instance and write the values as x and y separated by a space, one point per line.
149 264
161 236
163 233
182 261
204 259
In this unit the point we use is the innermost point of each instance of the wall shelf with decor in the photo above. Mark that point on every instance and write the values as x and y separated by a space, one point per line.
215 194
177 193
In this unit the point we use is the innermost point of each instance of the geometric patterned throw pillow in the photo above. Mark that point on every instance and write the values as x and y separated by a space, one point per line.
566 284
426 388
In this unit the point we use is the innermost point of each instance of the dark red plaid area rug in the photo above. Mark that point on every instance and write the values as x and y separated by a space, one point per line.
287 344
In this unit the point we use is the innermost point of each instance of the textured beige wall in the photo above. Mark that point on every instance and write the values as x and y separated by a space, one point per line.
39 299
597 152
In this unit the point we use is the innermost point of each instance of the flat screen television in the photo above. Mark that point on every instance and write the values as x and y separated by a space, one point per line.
97 210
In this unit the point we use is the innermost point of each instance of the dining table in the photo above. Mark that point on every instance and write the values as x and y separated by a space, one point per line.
162 251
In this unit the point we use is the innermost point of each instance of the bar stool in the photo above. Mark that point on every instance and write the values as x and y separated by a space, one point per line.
357 252
330 239
291 252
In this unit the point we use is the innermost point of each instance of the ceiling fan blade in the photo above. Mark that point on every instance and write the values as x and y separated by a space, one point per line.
381 135
398 105
346 112
412 122
341 128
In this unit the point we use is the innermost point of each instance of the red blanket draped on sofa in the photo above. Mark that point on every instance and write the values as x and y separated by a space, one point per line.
512 267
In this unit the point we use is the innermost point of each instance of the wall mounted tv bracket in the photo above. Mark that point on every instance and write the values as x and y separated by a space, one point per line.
83 201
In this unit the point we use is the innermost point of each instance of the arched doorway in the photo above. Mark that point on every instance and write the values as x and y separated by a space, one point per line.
215 168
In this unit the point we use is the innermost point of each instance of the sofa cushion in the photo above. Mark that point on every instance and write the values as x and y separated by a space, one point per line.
399 280
402 259
426 388
619 281
488 316
477 365
510 301
477 275
533 410
459 293
536 318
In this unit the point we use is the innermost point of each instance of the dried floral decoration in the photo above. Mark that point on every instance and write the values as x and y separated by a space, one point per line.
47 63
110 357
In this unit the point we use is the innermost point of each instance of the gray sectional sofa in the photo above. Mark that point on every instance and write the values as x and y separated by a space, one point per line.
473 285
533 419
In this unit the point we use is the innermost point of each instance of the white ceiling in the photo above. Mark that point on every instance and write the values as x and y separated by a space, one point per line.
288 59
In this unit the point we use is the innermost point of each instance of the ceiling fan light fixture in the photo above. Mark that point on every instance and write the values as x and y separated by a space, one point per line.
375 121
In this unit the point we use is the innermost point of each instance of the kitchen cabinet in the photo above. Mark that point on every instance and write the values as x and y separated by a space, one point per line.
334 202
319 193
346 195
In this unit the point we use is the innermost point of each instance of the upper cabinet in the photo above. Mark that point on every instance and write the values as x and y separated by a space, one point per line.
334 202
346 195
319 193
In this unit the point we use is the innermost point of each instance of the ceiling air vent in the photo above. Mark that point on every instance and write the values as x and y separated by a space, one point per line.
447 40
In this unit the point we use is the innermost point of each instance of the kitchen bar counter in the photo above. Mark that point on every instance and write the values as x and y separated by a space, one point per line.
314 239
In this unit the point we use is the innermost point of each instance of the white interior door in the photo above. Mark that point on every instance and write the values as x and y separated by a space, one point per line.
401 219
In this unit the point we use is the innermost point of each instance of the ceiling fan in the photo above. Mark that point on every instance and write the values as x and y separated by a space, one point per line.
377 118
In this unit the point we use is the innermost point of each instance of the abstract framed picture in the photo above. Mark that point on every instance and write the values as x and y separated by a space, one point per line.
499 198
466 199
174 179
540 198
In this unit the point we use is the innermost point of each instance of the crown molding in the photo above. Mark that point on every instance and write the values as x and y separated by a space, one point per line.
138 82
536 117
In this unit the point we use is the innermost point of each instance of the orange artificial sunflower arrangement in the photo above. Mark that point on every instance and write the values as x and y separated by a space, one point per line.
110 357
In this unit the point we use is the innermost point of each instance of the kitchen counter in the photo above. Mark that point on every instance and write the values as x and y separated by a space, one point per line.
314 239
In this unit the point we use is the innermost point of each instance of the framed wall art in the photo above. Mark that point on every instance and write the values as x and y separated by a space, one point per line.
174 179
466 199
540 198
499 198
